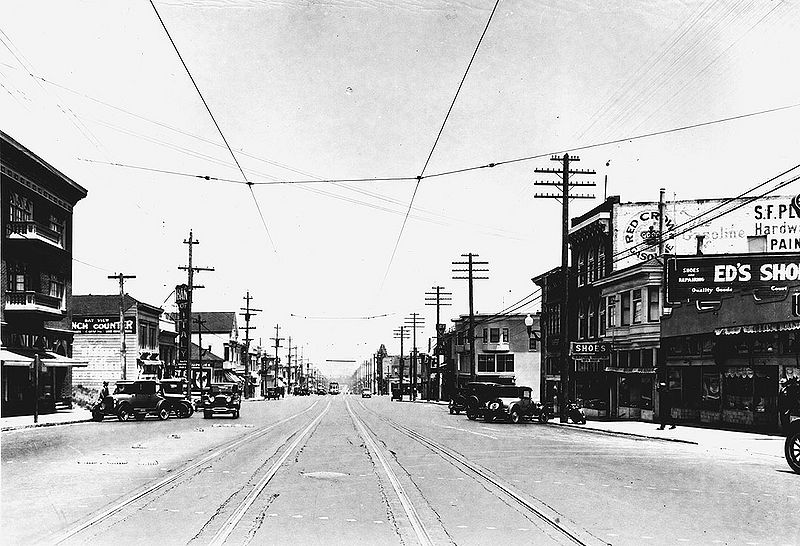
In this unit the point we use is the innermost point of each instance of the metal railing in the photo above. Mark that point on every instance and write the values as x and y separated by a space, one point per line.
34 230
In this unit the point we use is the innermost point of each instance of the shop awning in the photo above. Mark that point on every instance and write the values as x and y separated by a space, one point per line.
631 370
231 377
759 328
24 358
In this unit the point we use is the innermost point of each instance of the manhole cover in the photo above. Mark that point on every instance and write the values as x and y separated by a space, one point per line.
325 475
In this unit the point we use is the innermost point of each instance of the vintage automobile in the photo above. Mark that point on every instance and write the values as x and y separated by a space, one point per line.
477 395
222 398
514 403
134 399
174 391
273 393
366 393
789 407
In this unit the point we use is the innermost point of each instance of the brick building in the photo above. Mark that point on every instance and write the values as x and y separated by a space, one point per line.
35 280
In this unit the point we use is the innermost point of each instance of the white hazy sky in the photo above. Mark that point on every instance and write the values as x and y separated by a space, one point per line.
346 89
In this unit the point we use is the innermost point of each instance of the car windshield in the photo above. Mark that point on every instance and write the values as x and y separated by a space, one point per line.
172 387
508 392
125 388
223 389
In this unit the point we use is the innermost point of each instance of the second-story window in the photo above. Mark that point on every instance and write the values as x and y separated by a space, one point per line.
601 316
582 317
494 335
21 208
460 338
611 311
625 307
590 264
505 335
637 306
55 286
142 335
653 308
18 280
601 262
152 341
581 267
486 335
592 319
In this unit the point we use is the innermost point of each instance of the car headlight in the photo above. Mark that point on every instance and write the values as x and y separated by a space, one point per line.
227 399
494 406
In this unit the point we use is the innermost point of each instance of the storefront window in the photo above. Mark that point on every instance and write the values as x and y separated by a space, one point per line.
646 402
622 359
635 358
485 363
766 343
765 390
647 358
711 391
738 389
505 363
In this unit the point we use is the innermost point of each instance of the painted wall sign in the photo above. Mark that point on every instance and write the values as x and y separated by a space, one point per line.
102 325
768 224
709 278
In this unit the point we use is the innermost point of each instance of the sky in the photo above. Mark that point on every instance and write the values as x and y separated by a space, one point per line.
340 89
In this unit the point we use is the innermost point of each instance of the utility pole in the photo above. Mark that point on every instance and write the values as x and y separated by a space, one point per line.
289 366
439 299
471 270
122 351
564 197
190 269
248 313
401 334
415 322
277 339
200 322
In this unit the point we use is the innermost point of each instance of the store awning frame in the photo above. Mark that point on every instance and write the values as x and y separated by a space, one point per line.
48 358
631 370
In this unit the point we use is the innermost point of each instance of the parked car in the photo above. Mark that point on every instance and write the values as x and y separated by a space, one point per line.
174 391
476 395
273 393
514 403
136 399
222 398
366 393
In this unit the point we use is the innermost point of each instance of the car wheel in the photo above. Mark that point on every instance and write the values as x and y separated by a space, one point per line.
792 450
97 416
139 416
543 418
206 415
515 416
124 413
471 415
163 413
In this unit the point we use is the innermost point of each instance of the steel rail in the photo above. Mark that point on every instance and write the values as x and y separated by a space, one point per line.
413 517
582 538
107 513
233 520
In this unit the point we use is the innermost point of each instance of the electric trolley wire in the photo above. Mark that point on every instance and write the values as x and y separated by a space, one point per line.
436 141
211 114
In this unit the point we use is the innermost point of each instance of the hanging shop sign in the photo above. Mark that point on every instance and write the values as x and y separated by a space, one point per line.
710 278
102 325
589 349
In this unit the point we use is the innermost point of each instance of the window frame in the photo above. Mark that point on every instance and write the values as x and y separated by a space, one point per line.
637 306
625 308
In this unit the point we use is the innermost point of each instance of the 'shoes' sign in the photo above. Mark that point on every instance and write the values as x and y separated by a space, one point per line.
102 325
708 278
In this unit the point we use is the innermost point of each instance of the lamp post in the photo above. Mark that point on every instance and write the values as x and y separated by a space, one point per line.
529 325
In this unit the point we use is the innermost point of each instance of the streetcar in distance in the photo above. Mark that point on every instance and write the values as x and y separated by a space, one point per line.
333 388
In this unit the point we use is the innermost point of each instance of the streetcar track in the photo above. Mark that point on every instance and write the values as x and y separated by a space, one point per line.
413 517
186 472
544 512
233 520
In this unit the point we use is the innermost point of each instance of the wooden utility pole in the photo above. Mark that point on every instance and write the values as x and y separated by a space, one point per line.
564 197
471 270
200 322
415 322
190 269
401 334
277 339
439 299
248 314
289 366
122 351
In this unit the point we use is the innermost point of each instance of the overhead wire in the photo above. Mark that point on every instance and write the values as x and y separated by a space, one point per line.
436 141
219 129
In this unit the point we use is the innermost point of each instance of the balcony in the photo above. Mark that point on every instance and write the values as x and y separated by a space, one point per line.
33 302
34 231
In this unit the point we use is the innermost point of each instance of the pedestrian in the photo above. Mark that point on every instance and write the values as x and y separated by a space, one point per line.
665 407
104 391
788 400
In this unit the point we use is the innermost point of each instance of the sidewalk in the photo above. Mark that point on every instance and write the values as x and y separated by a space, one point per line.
63 417
763 444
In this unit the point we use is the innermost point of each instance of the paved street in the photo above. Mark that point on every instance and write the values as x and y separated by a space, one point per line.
342 470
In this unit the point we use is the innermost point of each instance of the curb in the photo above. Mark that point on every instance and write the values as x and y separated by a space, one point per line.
40 425
620 433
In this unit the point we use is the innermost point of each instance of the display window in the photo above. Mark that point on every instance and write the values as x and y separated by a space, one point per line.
712 391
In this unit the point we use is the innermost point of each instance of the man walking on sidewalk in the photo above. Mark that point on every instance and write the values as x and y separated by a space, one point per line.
665 407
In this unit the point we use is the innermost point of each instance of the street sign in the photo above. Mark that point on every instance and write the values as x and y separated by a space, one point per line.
589 349
711 277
